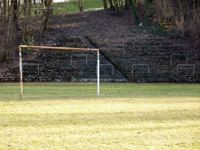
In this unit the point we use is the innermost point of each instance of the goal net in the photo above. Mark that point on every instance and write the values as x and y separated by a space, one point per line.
31 48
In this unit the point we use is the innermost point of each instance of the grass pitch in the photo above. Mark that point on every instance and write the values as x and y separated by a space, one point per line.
125 116
72 6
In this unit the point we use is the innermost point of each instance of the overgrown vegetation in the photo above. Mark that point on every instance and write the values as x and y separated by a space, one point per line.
183 15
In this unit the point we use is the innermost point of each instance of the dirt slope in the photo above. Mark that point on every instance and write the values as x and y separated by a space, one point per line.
148 55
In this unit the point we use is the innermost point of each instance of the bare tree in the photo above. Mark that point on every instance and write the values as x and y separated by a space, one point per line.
17 22
105 5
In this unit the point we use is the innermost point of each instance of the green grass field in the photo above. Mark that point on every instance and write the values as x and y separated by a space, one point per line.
125 117
72 7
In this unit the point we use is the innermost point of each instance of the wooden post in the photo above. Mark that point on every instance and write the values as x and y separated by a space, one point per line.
21 72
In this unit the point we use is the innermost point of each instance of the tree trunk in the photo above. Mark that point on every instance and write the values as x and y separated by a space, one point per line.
134 11
111 5
105 5
80 5
127 4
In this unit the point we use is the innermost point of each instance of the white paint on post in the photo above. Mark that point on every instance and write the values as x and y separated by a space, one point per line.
57 48
21 72
98 73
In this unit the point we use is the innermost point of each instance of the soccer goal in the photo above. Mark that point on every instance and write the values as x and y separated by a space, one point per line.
30 47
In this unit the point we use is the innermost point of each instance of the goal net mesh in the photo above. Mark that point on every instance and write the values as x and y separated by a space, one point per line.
40 65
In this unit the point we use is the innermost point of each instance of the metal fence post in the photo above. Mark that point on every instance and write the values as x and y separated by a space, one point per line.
98 73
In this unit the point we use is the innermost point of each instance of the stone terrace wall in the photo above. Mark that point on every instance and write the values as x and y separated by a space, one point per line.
147 58
59 66
156 59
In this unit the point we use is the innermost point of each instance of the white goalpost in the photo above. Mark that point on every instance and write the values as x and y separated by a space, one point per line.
21 47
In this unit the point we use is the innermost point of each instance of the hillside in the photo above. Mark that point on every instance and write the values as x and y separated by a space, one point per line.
141 54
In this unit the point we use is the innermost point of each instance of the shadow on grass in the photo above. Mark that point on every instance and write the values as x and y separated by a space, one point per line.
52 91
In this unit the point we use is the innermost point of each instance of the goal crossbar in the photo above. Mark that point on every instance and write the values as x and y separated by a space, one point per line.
21 47
58 48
